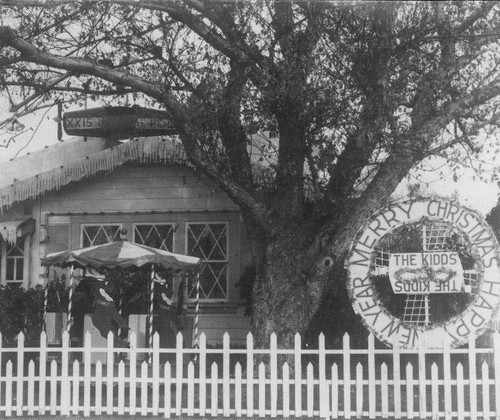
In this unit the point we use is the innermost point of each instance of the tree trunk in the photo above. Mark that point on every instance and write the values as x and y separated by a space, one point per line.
280 290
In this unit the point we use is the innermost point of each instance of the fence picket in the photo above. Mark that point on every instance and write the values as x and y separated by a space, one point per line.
310 390
121 388
335 391
8 389
65 382
225 374
214 390
347 376
435 391
132 401
20 374
75 402
249 375
262 390
371 377
98 388
496 357
53 388
447 377
396 373
237 389
286 390
359 390
273 372
384 390
472 378
485 376
460 392
87 374
203 373
298 375
42 372
156 373
422 382
179 364
144 388
109 374
409 391
324 398
190 390
167 391
31 388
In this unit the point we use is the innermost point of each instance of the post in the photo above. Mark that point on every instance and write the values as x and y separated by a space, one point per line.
70 297
196 316
45 298
151 299
120 308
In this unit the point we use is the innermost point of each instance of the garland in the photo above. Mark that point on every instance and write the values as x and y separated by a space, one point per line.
425 273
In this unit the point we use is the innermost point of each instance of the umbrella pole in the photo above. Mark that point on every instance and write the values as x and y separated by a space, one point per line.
70 298
120 306
151 299
45 298
196 316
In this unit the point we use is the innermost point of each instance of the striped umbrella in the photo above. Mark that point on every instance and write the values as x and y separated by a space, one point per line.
122 254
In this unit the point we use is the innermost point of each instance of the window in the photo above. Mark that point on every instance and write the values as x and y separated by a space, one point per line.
209 241
159 236
99 234
14 261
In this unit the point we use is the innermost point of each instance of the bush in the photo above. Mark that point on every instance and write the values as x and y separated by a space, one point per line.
21 310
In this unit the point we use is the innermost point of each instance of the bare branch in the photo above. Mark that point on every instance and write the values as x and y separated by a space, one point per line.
31 54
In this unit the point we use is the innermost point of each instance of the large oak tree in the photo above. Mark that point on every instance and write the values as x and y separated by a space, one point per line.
351 95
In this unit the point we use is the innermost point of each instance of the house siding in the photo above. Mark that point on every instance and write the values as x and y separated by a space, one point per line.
141 188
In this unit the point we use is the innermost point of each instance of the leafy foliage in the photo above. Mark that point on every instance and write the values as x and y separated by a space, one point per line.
21 310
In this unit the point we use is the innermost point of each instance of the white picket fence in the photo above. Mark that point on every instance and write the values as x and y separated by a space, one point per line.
327 383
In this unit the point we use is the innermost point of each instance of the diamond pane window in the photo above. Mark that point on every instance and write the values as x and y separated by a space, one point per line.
14 263
209 241
159 236
99 234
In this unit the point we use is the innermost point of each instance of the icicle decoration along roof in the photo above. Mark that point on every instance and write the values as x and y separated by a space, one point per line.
8 231
144 150
147 150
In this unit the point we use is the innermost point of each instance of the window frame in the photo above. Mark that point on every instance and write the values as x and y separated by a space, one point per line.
83 225
24 243
171 224
226 261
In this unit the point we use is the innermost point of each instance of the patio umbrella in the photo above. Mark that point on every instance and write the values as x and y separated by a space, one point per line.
122 254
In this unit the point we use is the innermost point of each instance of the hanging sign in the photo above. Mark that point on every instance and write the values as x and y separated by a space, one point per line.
118 122
469 273
426 272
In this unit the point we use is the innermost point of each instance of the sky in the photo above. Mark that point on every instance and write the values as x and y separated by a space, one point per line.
41 130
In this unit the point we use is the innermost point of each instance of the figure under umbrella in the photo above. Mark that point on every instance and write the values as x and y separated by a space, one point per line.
106 318
170 310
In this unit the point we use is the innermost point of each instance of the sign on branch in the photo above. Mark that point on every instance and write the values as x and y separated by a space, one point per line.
425 270
118 122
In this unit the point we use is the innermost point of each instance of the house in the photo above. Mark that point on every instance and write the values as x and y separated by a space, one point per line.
83 191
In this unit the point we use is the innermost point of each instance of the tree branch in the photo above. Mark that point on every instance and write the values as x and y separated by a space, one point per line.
231 129
8 37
